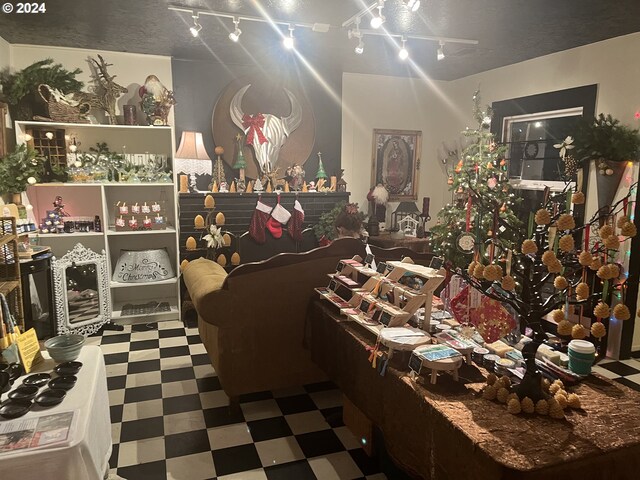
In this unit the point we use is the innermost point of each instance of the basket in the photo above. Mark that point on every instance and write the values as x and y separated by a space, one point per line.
57 111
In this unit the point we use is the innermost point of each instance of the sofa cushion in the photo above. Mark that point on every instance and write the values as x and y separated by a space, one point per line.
202 276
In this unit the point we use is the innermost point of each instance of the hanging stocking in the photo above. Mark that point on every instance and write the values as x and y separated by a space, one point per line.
274 227
279 217
295 224
259 222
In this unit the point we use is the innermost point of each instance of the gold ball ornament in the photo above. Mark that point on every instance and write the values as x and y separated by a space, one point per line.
560 282
579 332
491 379
508 283
582 291
542 217
564 328
478 272
557 315
542 407
527 405
529 247
585 258
502 395
219 150
602 310
598 330
513 407
621 312
622 221
605 231
490 392
493 272
595 264
578 198
629 230
566 222
555 267
549 257
574 401
561 399
566 243
612 242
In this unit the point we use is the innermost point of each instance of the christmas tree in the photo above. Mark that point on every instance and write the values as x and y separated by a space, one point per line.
321 173
462 227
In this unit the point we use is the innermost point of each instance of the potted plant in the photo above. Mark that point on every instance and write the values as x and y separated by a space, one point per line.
611 145
20 88
325 229
18 169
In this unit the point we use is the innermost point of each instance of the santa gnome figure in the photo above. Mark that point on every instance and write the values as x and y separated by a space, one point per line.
378 197
157 100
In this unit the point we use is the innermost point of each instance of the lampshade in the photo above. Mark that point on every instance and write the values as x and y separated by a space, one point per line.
192 147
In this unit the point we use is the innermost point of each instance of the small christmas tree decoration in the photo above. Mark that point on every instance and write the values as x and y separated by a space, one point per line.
490 392
218 166
566 222
222 260
240 163
605 231
250 187
585 258
527 405
612 242
621 312
320 173
574 401
579 332
235 259
286 187
564 328
220 219
508 283
529 247
209 202
257 186
582 291
566 243
232 188
578 198
305 188
513 407
628 229
598 330
602 310
542 407
491 379
542 217
560 283
214 187
502 395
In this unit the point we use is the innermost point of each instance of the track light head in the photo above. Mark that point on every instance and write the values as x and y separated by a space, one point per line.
288 42
195 29
403 53
359 48
235 35
412 5
440 54
378 20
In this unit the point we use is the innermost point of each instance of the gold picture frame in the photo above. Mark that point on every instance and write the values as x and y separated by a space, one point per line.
396 162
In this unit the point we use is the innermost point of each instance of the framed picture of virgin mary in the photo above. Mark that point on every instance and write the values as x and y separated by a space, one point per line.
396 161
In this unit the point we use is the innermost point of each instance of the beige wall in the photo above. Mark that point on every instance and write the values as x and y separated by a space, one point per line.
5 54
131 69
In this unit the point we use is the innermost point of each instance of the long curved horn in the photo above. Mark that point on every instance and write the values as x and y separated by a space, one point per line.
295 117
235 109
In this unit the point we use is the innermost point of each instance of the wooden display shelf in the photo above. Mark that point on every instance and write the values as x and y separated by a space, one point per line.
168 281
4 239
8 287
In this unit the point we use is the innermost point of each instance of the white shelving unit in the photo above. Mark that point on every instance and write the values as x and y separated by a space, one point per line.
90 199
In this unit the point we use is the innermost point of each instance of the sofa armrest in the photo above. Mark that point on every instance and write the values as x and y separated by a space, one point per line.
204 280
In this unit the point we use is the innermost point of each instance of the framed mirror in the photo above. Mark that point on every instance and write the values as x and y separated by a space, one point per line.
81 291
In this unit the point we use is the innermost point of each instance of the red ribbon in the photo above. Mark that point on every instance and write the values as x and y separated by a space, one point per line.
254 123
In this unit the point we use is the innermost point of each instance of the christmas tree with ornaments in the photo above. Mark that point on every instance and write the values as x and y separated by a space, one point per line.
463 227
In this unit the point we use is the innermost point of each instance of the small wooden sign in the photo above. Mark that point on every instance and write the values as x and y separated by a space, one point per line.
29 349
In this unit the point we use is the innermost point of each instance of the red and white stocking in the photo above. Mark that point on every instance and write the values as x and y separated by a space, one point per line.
259 222
295 224
279 217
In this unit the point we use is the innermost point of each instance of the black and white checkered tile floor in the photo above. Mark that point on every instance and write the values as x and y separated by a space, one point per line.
170 418
626 372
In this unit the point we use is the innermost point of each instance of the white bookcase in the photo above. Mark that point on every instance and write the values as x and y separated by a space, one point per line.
91 199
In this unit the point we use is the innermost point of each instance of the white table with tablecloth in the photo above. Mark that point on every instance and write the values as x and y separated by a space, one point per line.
85 454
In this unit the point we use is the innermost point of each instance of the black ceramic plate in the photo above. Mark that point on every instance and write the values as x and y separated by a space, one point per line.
37 379
68 368
49 398
14 408
65 383
5 382
24 392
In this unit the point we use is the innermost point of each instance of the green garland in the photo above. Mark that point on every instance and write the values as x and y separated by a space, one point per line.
16 168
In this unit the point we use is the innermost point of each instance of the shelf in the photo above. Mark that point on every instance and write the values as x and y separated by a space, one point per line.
4 239
111 232
65 235
106 184
168 281
116 315
7 287
91 125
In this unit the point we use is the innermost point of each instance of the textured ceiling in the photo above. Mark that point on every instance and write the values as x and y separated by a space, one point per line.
508 31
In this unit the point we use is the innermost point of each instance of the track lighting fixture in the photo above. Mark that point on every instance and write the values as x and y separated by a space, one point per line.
235 35
360 47
195 29
288 42
378 20
403 53
412 5
440 54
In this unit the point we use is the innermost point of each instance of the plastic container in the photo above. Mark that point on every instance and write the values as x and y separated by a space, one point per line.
581 356
478 355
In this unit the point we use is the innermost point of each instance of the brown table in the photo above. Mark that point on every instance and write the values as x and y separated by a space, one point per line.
447 431
420 245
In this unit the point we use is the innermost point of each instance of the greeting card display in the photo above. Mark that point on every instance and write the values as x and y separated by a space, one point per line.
151 215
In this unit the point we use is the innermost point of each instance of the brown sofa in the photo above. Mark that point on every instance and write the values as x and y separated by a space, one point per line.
252 320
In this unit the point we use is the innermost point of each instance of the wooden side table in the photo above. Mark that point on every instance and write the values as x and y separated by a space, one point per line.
419 245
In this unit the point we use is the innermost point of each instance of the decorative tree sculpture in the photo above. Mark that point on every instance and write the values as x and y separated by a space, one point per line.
482 168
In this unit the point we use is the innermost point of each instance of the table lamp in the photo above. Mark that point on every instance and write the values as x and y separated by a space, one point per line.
192 158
